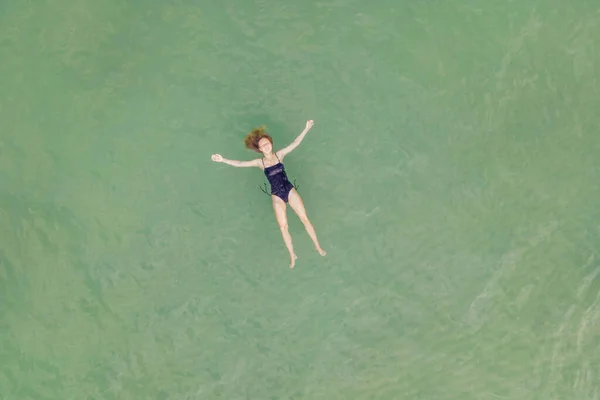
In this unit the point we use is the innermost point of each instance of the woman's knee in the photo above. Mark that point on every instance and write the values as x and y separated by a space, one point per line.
304 219
283 226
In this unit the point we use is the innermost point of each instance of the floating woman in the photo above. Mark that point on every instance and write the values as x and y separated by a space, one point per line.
282 190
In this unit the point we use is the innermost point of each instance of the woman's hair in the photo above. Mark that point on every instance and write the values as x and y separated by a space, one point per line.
254 137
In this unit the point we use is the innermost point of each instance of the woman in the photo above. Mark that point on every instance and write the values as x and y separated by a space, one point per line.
282 191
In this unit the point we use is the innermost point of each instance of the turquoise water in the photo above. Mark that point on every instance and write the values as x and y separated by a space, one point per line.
452 177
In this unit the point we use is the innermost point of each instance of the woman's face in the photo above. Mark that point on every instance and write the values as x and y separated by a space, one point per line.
265 146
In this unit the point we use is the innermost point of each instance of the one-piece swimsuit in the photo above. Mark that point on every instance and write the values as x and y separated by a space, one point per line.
280 184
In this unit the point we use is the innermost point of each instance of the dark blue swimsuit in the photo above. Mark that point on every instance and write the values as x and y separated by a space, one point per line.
280 184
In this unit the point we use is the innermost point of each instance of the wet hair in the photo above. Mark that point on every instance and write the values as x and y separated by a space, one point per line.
252 139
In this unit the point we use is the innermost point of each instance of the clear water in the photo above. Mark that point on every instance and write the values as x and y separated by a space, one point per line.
452 176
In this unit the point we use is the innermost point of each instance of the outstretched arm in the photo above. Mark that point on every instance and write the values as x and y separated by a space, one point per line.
283 152
234 163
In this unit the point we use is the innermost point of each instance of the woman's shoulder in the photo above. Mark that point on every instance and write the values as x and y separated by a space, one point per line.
259 162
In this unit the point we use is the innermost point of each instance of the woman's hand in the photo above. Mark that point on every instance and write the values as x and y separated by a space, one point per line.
283 152
235 163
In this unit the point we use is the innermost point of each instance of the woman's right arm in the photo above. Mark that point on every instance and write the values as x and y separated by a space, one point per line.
234 163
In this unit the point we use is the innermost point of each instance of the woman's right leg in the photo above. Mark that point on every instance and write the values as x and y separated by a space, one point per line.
279 208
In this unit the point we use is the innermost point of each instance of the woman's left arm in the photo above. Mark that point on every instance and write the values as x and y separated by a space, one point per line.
283 152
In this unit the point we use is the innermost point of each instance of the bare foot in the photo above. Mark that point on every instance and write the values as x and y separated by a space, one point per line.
321 251
293 262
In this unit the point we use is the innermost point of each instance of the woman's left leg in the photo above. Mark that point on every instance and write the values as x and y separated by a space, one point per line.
298 206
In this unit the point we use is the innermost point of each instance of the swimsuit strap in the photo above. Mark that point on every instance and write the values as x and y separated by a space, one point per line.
263 161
